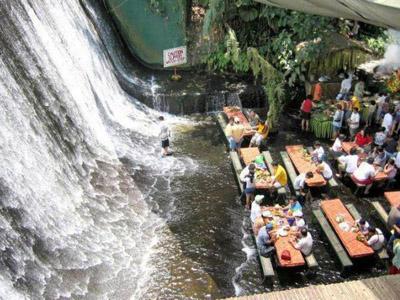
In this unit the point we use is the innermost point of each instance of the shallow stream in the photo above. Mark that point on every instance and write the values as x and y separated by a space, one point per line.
209 251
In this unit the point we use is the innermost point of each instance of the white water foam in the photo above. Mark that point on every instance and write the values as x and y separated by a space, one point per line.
86 237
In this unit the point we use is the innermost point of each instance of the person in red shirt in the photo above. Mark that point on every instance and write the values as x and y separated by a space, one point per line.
363 138
305 111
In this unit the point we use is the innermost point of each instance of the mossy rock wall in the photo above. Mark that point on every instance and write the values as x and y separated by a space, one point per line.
148 27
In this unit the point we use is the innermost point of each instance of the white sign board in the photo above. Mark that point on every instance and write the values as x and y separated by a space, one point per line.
175 56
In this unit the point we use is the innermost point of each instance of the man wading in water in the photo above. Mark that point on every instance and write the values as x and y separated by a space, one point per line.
164 135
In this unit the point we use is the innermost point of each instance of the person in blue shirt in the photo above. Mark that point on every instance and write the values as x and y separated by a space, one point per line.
294 205
265 243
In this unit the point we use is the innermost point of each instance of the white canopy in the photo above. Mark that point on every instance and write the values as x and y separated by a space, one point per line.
384 13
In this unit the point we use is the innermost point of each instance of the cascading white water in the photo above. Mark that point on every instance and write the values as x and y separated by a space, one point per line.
72 221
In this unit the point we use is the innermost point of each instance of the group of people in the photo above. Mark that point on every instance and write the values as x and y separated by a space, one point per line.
235 131
266 226
368 157
247 178
373 237
346 117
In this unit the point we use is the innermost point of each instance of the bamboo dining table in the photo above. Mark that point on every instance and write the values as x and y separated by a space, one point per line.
393 198
304 165
232 112
334 208
248 156
283 243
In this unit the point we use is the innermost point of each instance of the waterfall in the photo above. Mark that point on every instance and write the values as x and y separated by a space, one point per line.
73 223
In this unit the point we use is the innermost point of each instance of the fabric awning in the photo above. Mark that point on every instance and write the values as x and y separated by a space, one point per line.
384 13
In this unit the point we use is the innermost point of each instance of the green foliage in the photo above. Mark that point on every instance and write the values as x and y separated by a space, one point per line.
378 45
213 15
272 37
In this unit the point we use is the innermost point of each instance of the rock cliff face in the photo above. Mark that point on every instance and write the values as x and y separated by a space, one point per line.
149 27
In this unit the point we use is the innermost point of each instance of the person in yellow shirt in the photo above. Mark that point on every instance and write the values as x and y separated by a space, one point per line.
280 176
355 102
234 131
260 135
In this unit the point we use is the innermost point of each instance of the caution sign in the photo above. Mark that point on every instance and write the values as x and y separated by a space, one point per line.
175 56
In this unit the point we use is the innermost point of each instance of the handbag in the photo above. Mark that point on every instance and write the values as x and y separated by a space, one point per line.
286 255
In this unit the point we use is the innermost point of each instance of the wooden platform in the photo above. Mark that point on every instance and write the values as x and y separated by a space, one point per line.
385 287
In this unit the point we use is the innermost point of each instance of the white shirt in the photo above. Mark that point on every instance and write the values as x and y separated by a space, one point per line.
299 181
363 228
387 121
354 120
305 244
397 160
364 171
319 152
327 173
299 223
255 211
380 101
244 173
337 145
164 132
250 184
380 138
350 161
345 85
376 241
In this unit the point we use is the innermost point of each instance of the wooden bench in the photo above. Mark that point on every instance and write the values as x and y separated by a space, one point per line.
344 259
237 166
267 269
381 211
266 266
332 182
268 160
311 261
290 169
382 254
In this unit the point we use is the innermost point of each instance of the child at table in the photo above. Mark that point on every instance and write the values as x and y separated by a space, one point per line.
298 220
293 205
362 226
318 153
